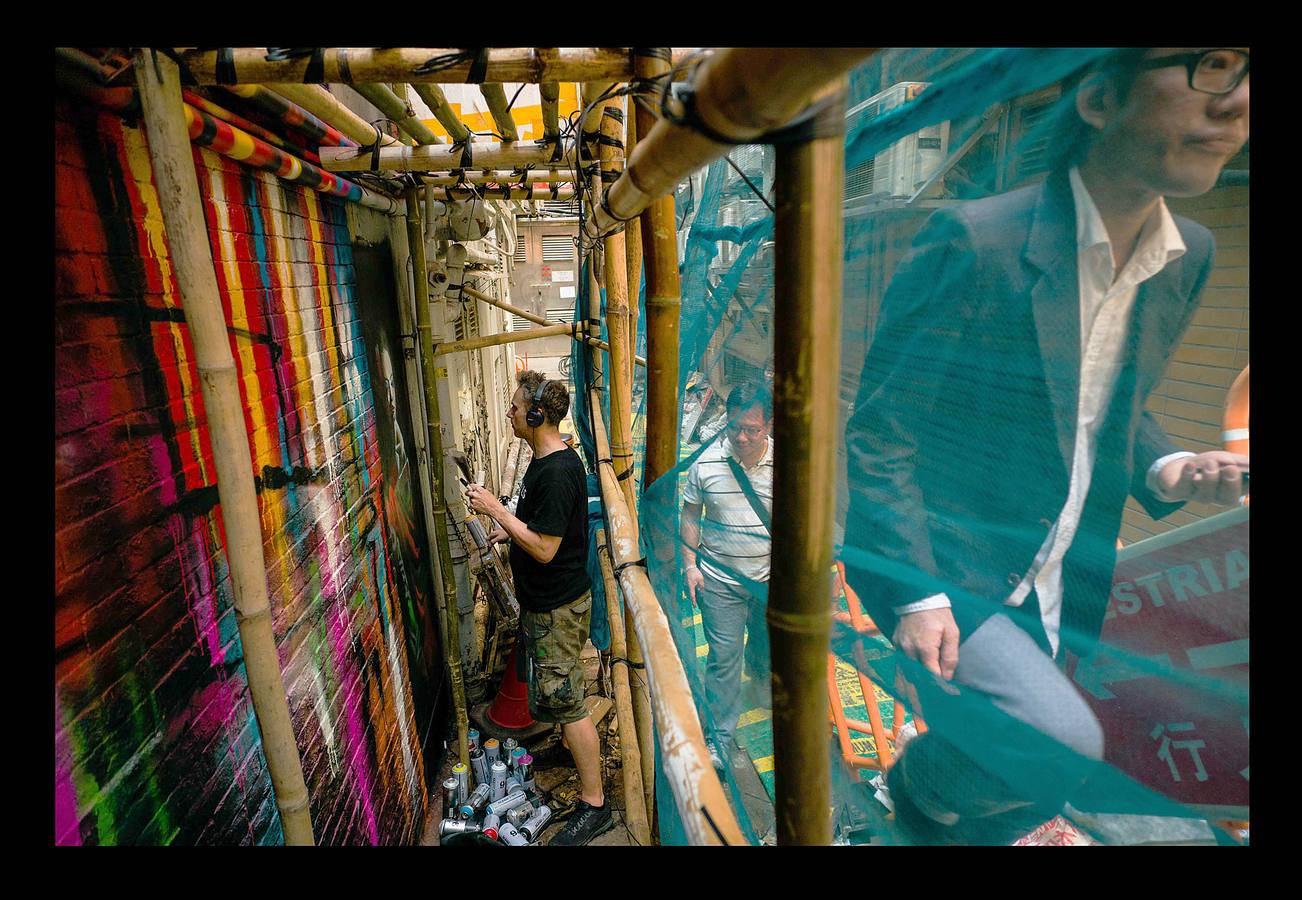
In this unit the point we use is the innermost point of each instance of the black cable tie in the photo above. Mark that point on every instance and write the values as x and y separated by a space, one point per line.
315 71
615 113
341 59
467 160
632 562
226 65
662 53
623 476
606 459
690 118
556 190
605 207
824 119
627 662
478 68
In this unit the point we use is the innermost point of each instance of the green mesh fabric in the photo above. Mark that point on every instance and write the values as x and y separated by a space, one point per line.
1161 661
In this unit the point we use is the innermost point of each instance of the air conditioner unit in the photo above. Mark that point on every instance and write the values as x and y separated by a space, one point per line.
898 171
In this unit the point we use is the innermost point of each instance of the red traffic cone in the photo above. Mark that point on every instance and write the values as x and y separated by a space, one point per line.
508 714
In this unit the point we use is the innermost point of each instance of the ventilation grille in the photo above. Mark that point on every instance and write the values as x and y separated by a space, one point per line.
557 248
562 314
519 323
521 249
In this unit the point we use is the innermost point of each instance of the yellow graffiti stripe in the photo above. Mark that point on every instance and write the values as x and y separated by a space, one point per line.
263 452
138 162
278 256
321 288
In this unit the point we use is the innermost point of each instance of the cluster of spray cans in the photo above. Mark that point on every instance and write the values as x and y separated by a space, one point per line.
504 804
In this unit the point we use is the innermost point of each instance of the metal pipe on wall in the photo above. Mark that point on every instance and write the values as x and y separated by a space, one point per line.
159 89
438 501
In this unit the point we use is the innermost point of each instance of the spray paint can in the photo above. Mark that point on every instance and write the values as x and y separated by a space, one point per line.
492 751
509 834
509 746
534 826
478 800
451 797
472 739
510 801
497 777
461 772
491 823
520 814
479 766
518 754
456 826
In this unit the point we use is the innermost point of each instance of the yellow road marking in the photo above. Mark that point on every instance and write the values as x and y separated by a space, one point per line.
764 764
753 716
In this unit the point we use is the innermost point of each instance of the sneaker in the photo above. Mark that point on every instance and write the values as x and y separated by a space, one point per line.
716 758
586 823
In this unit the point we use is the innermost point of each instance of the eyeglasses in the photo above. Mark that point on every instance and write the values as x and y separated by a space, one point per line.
754 432
1217 71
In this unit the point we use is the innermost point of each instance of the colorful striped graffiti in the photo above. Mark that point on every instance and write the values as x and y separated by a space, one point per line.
155 737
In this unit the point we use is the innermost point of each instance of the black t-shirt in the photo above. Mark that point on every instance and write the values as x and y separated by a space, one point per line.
554 501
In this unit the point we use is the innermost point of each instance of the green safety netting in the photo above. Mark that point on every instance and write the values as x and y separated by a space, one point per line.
972 464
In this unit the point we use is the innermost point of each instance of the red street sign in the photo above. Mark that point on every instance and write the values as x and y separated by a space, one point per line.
547 273
1179 605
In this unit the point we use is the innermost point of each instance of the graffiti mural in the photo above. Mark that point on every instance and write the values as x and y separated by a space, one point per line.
155 736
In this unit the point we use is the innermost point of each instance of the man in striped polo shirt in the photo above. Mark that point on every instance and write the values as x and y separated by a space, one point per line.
727 554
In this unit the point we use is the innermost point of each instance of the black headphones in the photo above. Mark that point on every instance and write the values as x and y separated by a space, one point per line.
535 417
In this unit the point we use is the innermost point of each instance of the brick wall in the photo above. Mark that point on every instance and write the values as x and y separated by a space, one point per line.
155 736
1190 401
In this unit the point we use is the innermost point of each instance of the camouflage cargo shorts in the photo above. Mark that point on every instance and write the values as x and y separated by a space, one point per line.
549 663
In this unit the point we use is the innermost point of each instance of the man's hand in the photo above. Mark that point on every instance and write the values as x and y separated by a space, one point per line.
694 580
482 501
931 638
1212 477
498 535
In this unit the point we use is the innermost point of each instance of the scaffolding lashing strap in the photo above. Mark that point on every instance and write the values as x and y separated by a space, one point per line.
662 53
467 154
627 662
624 475
632 562
824 119
478 68
315 71
226 65
341 59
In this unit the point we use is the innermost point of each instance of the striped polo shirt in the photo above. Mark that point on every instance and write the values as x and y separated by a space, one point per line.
731 532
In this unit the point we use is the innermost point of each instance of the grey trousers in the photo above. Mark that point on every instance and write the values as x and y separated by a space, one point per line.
975 761
727 613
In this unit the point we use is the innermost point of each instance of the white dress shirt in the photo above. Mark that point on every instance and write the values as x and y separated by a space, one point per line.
1106 301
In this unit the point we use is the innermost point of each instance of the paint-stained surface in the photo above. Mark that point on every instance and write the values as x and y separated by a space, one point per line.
155 736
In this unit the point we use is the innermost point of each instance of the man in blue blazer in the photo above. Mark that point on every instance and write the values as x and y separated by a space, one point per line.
1000 425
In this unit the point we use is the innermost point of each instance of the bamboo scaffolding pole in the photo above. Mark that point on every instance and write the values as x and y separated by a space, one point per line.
741 93
495 99
632 252
232 142
616 271
438 105
663 307
539 320
438 497
511 177
632 751
554 191
550 94
399 110
159 87
590 126
437 157
364 64
291 114
326 107
594 302
703 808
205 105
505 337
620 370
806 358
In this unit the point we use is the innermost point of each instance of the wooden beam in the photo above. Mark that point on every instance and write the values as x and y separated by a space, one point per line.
495 98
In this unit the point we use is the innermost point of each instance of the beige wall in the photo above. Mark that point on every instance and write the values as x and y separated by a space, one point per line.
1190 400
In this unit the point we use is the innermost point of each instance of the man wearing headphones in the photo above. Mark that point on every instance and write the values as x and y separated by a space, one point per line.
549 553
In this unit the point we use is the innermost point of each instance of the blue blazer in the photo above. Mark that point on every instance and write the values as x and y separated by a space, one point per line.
961 438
